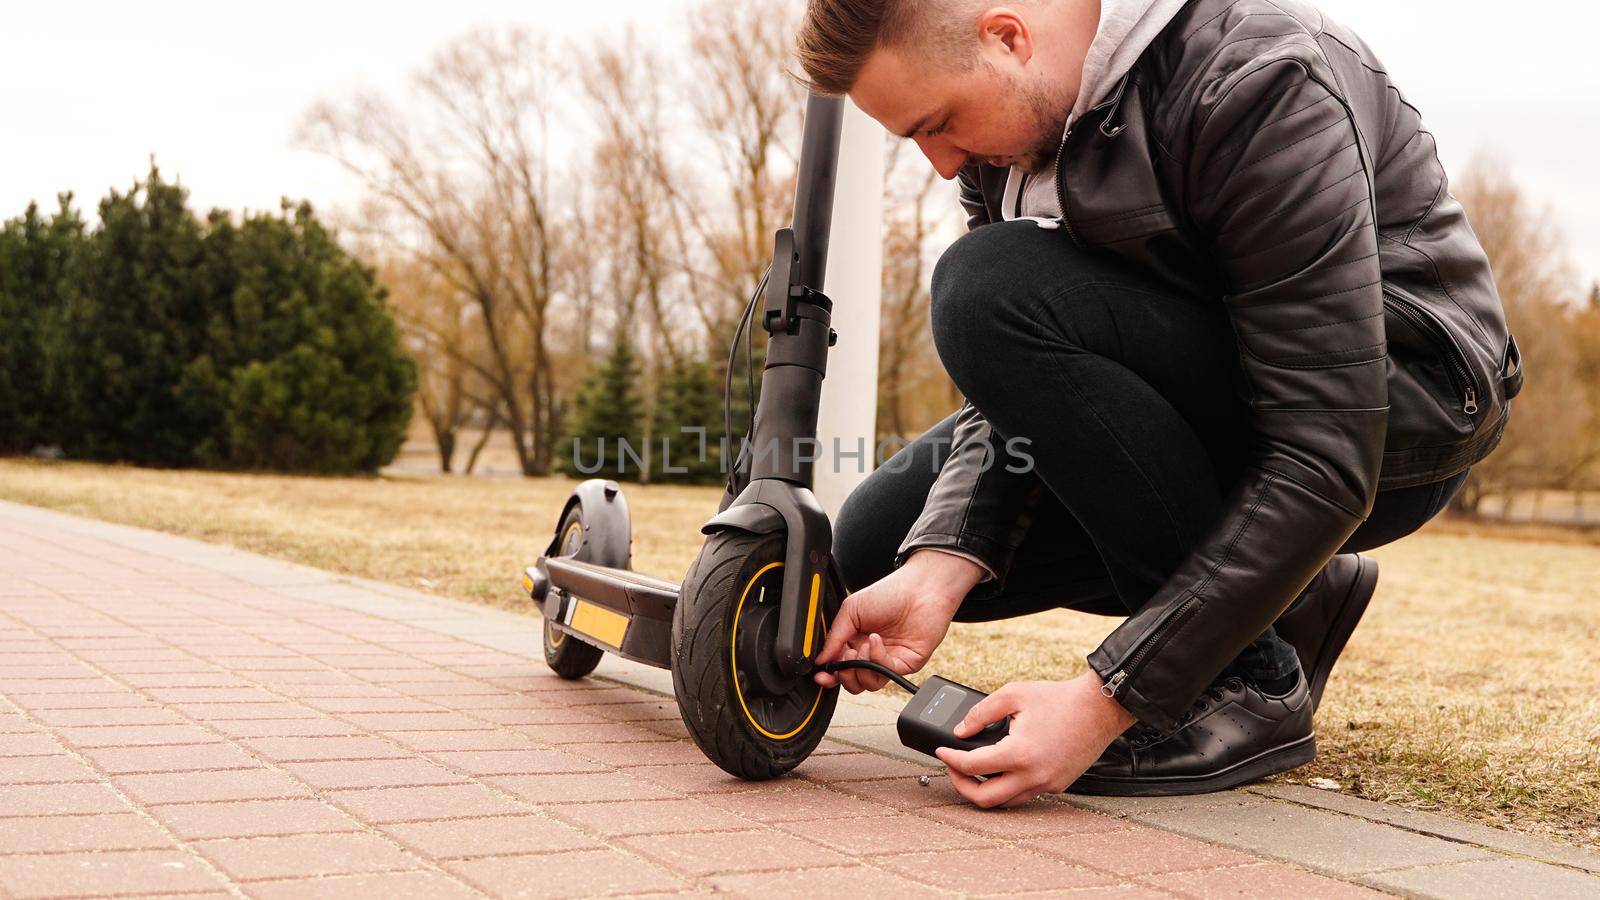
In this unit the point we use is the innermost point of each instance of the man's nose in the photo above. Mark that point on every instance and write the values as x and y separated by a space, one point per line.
946 157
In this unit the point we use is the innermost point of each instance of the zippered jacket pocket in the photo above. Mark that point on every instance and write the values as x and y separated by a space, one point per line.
1421 320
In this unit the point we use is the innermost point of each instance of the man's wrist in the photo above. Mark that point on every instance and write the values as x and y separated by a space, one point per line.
949 576
1114 715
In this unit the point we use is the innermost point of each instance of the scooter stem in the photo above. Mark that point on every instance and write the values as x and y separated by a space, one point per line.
796 316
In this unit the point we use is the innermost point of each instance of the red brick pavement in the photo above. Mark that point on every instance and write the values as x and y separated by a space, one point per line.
166 728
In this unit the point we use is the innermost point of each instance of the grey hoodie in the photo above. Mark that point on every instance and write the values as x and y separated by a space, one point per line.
1126 28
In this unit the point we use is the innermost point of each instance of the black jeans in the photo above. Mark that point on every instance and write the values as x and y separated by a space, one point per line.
1126 393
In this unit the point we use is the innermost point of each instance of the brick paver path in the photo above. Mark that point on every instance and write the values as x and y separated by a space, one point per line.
181 718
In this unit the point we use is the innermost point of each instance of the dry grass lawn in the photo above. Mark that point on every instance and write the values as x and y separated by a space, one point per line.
1472 687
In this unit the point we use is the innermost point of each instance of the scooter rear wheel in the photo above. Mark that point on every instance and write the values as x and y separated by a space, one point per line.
570 657
725 626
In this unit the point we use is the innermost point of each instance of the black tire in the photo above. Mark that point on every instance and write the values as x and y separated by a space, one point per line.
705 678
568 656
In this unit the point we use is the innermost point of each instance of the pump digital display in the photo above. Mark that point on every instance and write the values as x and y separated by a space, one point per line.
944 706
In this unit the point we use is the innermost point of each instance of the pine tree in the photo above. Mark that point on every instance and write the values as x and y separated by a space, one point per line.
161 340
138 321
302 349
604 438
688 425
39 260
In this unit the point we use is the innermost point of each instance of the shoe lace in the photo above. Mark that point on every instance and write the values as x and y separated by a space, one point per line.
1143 735
1213 694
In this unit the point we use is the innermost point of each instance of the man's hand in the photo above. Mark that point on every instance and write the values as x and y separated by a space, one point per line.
1058 730
898 620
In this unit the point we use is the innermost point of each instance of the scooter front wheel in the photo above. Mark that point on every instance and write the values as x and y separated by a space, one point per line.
724 628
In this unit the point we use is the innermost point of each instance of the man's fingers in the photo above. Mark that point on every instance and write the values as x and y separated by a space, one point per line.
869 647
842 651
842 630
871 680
846 680
990 793
846 642
1011 786
982 761
850 678
1023 798
989 710
964 784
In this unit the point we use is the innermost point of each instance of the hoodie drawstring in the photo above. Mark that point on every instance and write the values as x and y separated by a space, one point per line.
1115 102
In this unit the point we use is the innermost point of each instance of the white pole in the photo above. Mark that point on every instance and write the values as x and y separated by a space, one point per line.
846 421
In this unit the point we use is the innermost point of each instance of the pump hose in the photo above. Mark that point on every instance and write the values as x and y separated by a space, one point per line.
881 669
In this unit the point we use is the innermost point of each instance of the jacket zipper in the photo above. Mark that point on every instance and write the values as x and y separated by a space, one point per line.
1131 663
1061 194
1114 101
1460 375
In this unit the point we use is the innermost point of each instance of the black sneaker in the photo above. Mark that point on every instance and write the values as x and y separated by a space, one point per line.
1233 735
1320 621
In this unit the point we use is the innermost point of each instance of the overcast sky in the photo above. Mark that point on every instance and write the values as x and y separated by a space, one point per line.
215 88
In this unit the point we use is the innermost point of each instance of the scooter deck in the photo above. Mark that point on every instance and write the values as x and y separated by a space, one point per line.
621 611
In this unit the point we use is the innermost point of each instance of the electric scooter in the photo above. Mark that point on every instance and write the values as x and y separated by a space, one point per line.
741 632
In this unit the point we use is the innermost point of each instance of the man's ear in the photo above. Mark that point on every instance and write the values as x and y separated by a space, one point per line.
1002 30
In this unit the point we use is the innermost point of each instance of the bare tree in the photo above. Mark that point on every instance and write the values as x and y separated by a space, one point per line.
919 208
750 113
684 168
435 329
1585 333
688 178
487 426
633 170
465 166
585 280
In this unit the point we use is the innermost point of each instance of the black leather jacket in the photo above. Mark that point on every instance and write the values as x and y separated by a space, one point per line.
1258 153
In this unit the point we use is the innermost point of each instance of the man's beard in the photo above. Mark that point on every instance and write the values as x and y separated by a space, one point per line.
1050 110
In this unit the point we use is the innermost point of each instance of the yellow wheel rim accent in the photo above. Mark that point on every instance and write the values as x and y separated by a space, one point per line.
576 525
733 659
553 635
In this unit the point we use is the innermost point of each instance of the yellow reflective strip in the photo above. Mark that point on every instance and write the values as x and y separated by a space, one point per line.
527 584
599 623
811 611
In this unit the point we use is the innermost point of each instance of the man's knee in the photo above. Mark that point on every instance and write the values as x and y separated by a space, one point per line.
963 283
987 287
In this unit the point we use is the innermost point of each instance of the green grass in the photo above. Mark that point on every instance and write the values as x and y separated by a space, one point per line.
1470 688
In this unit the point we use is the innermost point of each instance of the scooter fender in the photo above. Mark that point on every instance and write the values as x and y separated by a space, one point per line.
764 506
607 528
753 517
607 537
